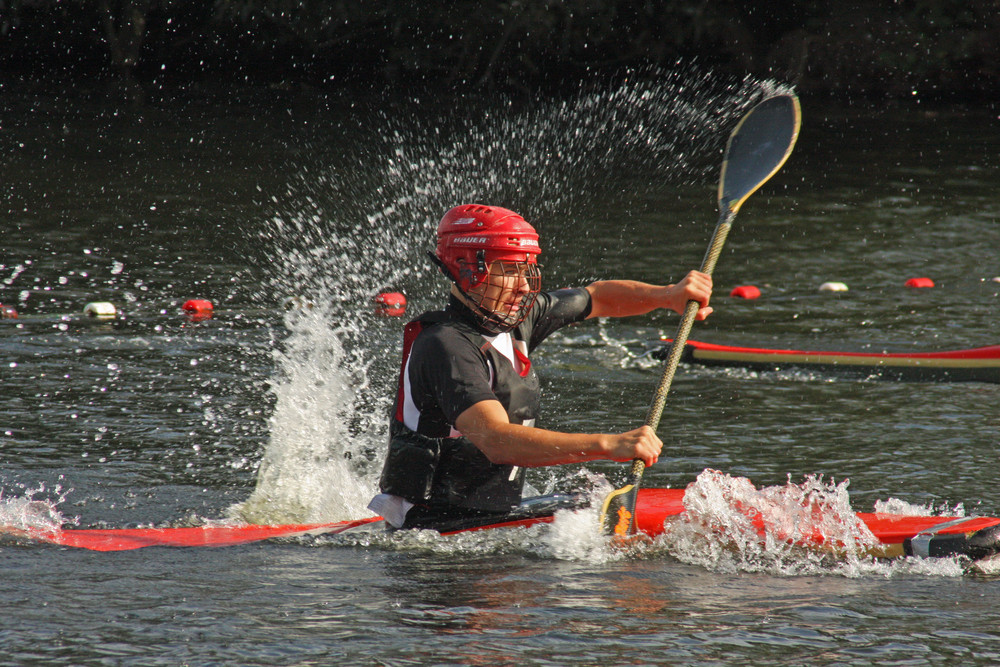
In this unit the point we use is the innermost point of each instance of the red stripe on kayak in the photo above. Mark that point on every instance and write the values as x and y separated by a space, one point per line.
125 539
893 529
984 354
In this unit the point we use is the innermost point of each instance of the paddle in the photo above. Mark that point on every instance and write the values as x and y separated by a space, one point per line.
757 148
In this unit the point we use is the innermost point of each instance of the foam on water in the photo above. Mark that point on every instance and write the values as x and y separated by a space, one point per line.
573 535
36 510
897 506
809 528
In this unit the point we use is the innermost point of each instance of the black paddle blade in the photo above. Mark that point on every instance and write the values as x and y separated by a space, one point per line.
758 147
618 511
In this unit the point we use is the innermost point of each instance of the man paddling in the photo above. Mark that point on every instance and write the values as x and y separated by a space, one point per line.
462 429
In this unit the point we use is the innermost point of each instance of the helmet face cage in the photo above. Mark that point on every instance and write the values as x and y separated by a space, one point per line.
506 294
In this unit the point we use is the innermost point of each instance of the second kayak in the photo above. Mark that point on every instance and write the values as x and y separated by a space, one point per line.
980 364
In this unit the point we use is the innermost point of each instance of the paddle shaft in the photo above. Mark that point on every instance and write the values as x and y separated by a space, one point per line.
757 147
683 331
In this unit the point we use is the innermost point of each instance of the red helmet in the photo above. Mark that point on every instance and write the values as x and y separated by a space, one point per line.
472 236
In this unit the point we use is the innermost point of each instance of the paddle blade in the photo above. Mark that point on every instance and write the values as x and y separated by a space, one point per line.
757 148
618 511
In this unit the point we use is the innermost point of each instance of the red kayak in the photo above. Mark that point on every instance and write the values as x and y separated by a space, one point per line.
897 535
980 364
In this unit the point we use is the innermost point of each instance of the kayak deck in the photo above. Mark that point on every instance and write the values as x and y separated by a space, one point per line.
898 535
980 364
216 535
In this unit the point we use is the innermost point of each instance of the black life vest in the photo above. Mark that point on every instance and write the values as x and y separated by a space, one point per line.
452 471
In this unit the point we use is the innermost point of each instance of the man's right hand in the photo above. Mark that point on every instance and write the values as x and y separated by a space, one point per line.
641 443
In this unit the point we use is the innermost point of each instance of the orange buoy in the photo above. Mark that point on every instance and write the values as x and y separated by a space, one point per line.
920 282
8 312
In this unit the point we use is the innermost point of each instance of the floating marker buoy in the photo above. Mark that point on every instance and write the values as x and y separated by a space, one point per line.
920 282
199 306
391 304
997 279
198 309
833 287
8 312
101 310
745 292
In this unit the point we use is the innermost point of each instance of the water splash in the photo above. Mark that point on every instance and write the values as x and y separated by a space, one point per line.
795 529
31 513
307 473
344 230
731 525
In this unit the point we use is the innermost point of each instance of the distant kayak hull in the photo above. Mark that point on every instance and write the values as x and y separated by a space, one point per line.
980 364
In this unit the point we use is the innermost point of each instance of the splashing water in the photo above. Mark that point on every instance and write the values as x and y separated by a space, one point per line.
344 233
810 528
731 525
306 474
573 535
30 514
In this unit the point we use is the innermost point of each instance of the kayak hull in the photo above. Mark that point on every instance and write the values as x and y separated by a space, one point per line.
898 535
981 364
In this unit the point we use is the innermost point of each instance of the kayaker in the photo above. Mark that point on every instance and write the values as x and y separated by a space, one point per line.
462 429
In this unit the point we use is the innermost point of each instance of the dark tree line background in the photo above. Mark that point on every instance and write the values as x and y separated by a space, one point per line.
934 48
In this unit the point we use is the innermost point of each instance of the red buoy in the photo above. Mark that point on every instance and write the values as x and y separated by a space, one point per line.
745 292
920 282
390 304
8 312
198 306
198 310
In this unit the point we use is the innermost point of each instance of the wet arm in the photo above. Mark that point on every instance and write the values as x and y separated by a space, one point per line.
623 298
487 426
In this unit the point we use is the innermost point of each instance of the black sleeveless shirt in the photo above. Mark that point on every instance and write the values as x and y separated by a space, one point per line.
448 366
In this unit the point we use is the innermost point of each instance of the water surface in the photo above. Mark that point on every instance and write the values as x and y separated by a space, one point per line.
278 415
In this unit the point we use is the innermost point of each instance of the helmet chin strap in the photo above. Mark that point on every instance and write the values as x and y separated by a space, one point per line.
486 320
444 269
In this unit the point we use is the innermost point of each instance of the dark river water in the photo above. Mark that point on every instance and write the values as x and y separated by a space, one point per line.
290 211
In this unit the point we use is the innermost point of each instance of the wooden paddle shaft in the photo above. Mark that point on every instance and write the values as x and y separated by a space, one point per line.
684 330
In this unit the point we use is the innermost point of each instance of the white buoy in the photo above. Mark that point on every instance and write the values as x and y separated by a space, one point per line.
833 287
297 303
997 279
101 310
